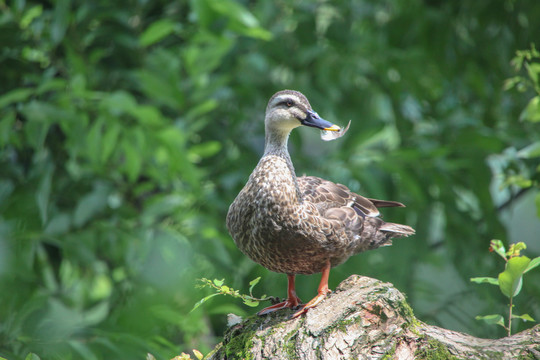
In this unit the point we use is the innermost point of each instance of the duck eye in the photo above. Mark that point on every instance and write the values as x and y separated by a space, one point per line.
289 103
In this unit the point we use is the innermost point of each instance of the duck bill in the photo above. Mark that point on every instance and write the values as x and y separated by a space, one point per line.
314 120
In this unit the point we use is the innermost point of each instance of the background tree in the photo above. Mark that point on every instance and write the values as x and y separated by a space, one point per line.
127 128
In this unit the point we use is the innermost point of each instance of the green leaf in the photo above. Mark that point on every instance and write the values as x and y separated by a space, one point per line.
60 20
204 150
132 160
537 203
94 140
218 282
203 300
91 204
43 195
534 263
524 317
15 96
6 126
510 280
518 180
492 319
532 111
529 152
484 280
251 303
32 356
252 283
58 225
534 70
32 13
110 141
157 31
241 19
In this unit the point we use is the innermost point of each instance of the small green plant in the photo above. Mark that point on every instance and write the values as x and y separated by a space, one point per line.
182 356
222 289
509 281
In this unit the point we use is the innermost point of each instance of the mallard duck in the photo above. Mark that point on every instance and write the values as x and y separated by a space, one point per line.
302 225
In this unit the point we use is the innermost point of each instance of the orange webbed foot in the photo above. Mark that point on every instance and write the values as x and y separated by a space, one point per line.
289 303
292 301
322 292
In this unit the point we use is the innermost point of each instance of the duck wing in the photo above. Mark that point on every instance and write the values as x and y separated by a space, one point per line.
327 195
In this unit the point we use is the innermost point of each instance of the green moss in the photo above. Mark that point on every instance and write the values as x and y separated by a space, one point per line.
238 341
290 344
434 350
390 353
341 325
238 346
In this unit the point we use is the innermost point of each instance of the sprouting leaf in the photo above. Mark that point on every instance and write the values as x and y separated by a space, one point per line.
498 247
492 319
252 284
515 249
510 279
203 300
524 317
225 289
218 282
484 280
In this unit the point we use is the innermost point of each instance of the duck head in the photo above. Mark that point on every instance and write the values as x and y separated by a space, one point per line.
288 109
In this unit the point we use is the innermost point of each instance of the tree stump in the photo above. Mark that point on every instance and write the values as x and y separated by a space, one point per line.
363 318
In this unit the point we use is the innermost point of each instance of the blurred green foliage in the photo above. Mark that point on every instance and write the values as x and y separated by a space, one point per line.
127 128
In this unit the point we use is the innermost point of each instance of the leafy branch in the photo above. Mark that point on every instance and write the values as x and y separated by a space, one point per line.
221 289
509 281
528 63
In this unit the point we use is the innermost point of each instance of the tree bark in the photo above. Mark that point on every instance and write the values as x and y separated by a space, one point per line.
363 319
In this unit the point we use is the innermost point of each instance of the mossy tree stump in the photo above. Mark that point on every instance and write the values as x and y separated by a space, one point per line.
363 319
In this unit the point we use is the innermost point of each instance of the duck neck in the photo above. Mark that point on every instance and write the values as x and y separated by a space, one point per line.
276 145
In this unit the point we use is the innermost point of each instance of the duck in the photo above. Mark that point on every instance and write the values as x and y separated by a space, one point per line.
302 225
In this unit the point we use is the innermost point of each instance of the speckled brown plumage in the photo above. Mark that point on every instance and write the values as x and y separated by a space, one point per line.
300 225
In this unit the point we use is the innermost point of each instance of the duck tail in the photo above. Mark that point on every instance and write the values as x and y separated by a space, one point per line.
397 230
377 233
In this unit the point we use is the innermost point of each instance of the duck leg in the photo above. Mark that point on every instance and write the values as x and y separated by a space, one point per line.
292 300
322 291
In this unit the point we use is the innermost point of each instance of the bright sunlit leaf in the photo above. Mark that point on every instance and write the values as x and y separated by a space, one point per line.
510 280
